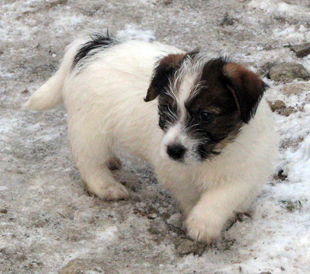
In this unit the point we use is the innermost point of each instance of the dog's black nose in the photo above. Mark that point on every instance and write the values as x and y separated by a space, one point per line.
176 152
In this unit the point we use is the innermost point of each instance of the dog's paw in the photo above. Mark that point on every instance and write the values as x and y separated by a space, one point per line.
203 228
113 192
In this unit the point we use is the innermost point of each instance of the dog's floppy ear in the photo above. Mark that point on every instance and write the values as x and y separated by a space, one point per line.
246 87
164 70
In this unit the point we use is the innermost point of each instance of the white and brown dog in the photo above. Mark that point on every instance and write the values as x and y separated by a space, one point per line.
213 146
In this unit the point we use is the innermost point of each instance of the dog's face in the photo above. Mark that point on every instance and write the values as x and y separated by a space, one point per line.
202 104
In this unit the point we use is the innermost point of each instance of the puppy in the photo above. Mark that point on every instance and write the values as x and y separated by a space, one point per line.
201 123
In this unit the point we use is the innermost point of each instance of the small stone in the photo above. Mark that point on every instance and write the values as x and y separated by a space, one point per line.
301 50
157 226
287 72
277 105
280 107
175 220
265 68
3 211
187 246
295 88
265 272
25 91
76 266
288 111
280 175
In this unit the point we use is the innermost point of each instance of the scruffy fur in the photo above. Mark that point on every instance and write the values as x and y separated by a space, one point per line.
215 144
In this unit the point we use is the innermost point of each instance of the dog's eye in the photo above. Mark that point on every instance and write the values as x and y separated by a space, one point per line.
206 116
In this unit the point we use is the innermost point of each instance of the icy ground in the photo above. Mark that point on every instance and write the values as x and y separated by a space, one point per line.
48 223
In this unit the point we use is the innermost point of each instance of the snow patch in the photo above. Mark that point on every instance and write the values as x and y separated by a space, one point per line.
299 165
292 34
2 188
108 235
132 31
277 7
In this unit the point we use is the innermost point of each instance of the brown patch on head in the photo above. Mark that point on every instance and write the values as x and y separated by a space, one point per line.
162 73
227 97
212 94
232 70
246 87
222 81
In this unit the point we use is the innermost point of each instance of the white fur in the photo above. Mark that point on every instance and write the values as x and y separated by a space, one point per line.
106 113
176 134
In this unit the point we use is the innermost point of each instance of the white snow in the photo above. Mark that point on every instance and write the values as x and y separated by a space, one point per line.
277 7
299 166
132 31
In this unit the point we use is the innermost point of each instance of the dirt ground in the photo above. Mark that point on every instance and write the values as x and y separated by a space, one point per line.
48 222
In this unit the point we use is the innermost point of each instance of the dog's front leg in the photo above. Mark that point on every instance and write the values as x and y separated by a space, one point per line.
207 218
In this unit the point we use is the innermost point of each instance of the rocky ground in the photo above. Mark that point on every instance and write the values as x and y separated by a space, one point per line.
49 224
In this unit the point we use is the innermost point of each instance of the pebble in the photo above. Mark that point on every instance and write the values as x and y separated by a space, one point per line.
175 220
301 50
295 88
288 111
76 266
187 246
157 226
277 105
280 107
286 72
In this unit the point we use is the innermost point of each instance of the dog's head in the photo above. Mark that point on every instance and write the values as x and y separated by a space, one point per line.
202 104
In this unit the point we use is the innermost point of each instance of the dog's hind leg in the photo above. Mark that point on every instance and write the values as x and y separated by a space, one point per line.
99 180
92 152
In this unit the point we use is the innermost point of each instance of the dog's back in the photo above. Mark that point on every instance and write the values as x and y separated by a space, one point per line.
105 79
82 57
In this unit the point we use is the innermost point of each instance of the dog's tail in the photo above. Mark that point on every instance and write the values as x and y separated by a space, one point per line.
50 93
